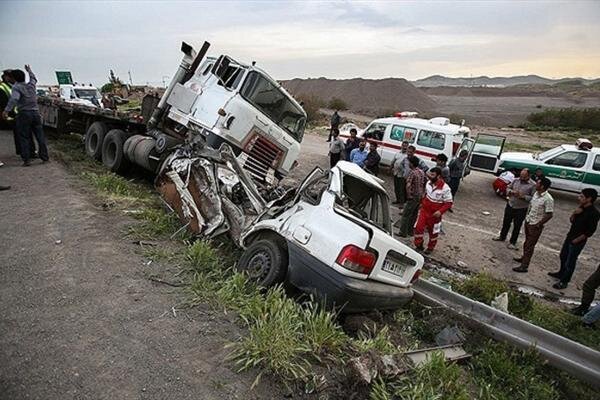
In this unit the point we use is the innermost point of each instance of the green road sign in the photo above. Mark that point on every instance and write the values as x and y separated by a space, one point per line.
64 77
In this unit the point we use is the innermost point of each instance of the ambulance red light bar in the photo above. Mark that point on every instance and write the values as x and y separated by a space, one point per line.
406 114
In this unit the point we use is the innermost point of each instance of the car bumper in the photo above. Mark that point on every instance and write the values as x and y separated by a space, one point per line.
312 276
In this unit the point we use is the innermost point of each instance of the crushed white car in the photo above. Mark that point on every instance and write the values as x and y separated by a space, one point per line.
329 237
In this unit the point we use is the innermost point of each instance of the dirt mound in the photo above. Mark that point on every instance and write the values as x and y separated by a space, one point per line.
372 96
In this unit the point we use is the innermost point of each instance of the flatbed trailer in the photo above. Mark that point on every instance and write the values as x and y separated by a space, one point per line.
67 117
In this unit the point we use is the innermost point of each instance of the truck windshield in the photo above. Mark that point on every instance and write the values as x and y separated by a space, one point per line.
87 94
275 104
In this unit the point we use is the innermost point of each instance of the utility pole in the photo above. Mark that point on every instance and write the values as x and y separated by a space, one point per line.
164 80
130 80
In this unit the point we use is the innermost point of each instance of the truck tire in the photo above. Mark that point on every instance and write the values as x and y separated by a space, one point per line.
265 262
94 139
113 156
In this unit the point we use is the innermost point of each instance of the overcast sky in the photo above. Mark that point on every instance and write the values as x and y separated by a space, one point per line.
336 39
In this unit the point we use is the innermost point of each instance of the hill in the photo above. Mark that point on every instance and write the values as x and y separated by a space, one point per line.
439 80
369 96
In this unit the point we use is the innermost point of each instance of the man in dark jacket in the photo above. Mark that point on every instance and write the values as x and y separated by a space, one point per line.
373 159
584 222
335 123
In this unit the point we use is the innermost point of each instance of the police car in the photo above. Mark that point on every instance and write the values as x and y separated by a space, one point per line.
570 167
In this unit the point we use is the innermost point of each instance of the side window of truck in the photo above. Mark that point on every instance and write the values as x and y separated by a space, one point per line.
401 134
573 159
435 140
596 166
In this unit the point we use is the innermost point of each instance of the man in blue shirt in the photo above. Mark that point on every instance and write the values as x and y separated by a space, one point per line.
359 155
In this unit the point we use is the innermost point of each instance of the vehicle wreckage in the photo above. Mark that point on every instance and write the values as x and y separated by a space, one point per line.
330 236
220 139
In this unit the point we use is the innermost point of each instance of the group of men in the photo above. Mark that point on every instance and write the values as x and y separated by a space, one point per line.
354 150
20 112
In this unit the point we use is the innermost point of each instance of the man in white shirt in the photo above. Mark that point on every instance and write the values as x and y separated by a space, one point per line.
540 211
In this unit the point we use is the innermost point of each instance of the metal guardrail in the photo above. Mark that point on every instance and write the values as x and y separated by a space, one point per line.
560 352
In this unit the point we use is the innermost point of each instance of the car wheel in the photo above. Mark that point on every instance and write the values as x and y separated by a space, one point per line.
265 262
94 138
113 156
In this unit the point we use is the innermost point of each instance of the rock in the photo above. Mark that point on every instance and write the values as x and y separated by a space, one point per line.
362 368
58 241
462 264
485 212
450 335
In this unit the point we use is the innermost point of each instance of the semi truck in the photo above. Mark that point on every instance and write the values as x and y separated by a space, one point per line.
215 99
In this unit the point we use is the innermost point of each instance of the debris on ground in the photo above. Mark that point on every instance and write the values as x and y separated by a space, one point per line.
450 335
500 302
450 353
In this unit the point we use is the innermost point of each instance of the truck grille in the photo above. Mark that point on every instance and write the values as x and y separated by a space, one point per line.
260 158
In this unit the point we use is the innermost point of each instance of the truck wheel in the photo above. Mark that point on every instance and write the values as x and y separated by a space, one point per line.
265 262
113 156
94 138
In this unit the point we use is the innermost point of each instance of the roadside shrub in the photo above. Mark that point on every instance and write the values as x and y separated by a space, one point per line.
311 105
482 287
337 104
581 118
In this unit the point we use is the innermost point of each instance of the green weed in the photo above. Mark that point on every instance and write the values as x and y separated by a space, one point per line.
201 257
508 374
436 379
371 340
154 223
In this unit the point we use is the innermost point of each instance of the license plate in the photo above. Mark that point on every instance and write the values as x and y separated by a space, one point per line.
394 267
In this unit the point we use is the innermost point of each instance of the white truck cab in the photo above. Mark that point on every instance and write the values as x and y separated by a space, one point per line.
80 94
336 243
240 104
429 136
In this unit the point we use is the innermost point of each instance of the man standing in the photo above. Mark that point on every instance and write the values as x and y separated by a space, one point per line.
584 222
398 171
415 190
335 149
28 118
372 160
457 169
359 155
437 200
335 124
540 211
440 161
352 143
519 194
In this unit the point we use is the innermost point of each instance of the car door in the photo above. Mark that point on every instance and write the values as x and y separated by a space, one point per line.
591 179
567 170
485 152
392 143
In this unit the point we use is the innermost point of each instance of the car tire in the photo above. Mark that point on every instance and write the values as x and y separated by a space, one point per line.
94 139
265 262
113 156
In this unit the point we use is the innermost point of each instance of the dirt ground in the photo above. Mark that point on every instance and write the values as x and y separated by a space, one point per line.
503 111
79 318
468 232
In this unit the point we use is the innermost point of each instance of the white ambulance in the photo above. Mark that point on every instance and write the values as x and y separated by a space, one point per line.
429 136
